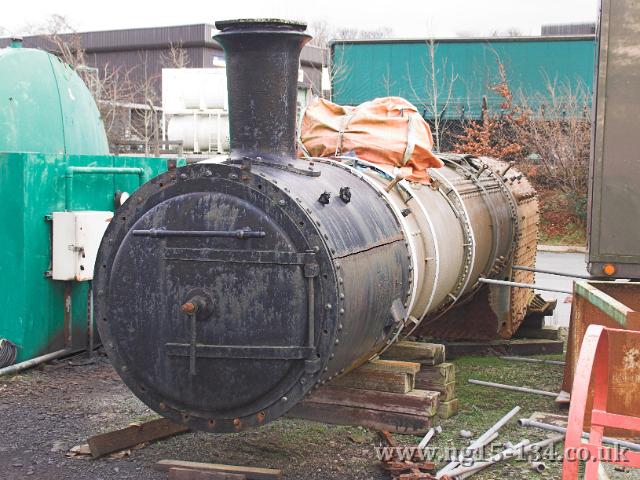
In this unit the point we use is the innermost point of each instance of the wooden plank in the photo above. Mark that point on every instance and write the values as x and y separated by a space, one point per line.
415 402
447 391
421 352
448 409
188 474
251 473
375 419
133 435
435 375
374 380
394 366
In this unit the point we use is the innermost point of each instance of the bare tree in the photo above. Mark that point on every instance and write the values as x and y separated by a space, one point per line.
387 83
337 70
126 99
335 67
55 24
176 57
555 127
509 32
437 93
323 32
548 133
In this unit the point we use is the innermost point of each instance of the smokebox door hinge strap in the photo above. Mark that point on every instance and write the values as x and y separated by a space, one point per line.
163 233
240 351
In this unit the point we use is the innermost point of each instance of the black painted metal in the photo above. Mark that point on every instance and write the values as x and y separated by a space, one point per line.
226 292
262 61
163 232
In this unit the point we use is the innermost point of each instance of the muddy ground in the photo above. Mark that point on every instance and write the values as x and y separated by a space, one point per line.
47 411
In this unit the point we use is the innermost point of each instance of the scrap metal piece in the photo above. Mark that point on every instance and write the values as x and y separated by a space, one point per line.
478 443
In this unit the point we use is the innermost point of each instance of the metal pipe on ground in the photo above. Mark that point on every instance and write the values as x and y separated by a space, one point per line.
533 360
513 388
538 467
525 422
427 438
68 340
488 440
18 367
523 448
478 443
468 470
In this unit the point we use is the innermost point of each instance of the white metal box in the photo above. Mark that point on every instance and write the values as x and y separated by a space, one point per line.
76 238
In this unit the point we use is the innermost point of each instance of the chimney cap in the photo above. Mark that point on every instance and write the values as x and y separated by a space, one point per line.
260 24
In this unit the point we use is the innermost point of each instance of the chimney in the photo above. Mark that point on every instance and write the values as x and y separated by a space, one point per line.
262 58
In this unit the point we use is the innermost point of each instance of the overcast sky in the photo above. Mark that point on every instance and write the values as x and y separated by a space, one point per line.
407 18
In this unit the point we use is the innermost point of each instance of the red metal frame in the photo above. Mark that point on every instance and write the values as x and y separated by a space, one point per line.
594 357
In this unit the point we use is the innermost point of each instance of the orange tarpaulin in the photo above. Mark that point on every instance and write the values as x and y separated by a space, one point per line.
386 131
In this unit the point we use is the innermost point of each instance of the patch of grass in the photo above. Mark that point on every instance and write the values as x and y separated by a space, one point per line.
560 223
573 235
481 407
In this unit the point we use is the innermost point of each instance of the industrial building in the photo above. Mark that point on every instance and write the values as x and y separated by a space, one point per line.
144 52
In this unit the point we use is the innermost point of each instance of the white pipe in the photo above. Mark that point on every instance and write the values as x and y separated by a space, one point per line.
467 471
427 438
513 387
488 440
525 422
538 467
18 367
533 360
524 447
479 442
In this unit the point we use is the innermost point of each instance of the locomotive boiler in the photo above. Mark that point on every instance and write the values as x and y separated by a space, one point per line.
226 292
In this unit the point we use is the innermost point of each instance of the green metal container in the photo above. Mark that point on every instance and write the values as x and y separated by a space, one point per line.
53 157
366 69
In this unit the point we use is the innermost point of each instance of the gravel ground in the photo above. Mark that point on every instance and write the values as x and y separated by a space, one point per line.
47 411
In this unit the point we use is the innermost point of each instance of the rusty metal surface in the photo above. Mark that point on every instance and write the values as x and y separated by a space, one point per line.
596 303
603 400
495 312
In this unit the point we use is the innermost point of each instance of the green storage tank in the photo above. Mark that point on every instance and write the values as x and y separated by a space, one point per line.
54 157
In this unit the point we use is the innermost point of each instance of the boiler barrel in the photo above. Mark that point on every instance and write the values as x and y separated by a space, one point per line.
225 293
